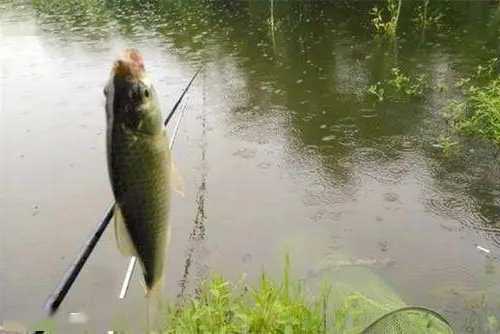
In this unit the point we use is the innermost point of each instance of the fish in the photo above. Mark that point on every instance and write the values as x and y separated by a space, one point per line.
139 165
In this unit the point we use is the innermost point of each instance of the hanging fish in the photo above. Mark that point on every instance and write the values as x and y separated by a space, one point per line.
139 165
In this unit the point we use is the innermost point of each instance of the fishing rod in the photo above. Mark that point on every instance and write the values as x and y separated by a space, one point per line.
169 116
57 297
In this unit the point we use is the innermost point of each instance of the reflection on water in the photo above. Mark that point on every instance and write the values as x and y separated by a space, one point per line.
294 151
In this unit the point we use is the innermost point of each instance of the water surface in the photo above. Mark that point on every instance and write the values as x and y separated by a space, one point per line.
281 150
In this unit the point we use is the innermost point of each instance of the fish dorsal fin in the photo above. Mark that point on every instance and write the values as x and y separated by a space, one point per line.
176 181
122 236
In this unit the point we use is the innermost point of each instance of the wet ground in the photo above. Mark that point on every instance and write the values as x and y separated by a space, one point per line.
281 150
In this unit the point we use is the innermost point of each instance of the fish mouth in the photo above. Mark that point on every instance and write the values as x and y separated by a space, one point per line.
129 76
130 65
130 95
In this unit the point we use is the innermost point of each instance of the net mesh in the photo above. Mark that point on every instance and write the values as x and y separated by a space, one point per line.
409 320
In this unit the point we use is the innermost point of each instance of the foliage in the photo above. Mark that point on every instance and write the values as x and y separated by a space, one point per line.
479 113
400 84
488 70
482 74
447 145
270 308
493 324
406 85
424 19
377 90
385 20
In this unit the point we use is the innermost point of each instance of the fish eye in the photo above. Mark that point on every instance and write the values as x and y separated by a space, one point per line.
105 91
146 92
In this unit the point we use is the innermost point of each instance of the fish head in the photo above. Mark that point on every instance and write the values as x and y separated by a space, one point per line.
131 100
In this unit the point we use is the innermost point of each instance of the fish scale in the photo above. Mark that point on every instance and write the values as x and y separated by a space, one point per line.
140 178
138 164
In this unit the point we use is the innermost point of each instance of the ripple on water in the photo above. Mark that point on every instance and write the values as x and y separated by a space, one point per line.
457 195
245 153
311 150
490 213
399 144
347 122
368 155
350 138
337 128
455 181
375 163
456 206
264 165
391 197
329 138
368 113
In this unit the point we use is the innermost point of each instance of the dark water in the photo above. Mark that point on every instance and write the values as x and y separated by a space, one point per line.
281 150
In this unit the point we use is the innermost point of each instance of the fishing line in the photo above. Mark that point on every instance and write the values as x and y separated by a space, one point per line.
176 128
198 233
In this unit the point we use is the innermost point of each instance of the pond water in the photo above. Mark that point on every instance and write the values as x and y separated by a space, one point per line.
282 150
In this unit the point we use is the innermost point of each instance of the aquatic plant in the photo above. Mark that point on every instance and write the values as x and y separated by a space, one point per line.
488 70
273 25
479 113
402 83
424 19
385 19
447 145
483 74
462 82
377 90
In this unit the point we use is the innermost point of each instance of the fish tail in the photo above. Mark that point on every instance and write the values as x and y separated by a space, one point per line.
148 316
153 308
155 290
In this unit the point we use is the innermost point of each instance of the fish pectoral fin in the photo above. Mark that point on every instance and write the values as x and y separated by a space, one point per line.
122 236
176 181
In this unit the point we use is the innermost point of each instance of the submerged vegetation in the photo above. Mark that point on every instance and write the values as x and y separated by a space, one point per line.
400 85
478 112
385 19
406 85
377 90
282 56
447 144
425 19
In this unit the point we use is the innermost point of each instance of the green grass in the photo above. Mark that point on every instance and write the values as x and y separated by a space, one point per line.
223 307
285 306
479 113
